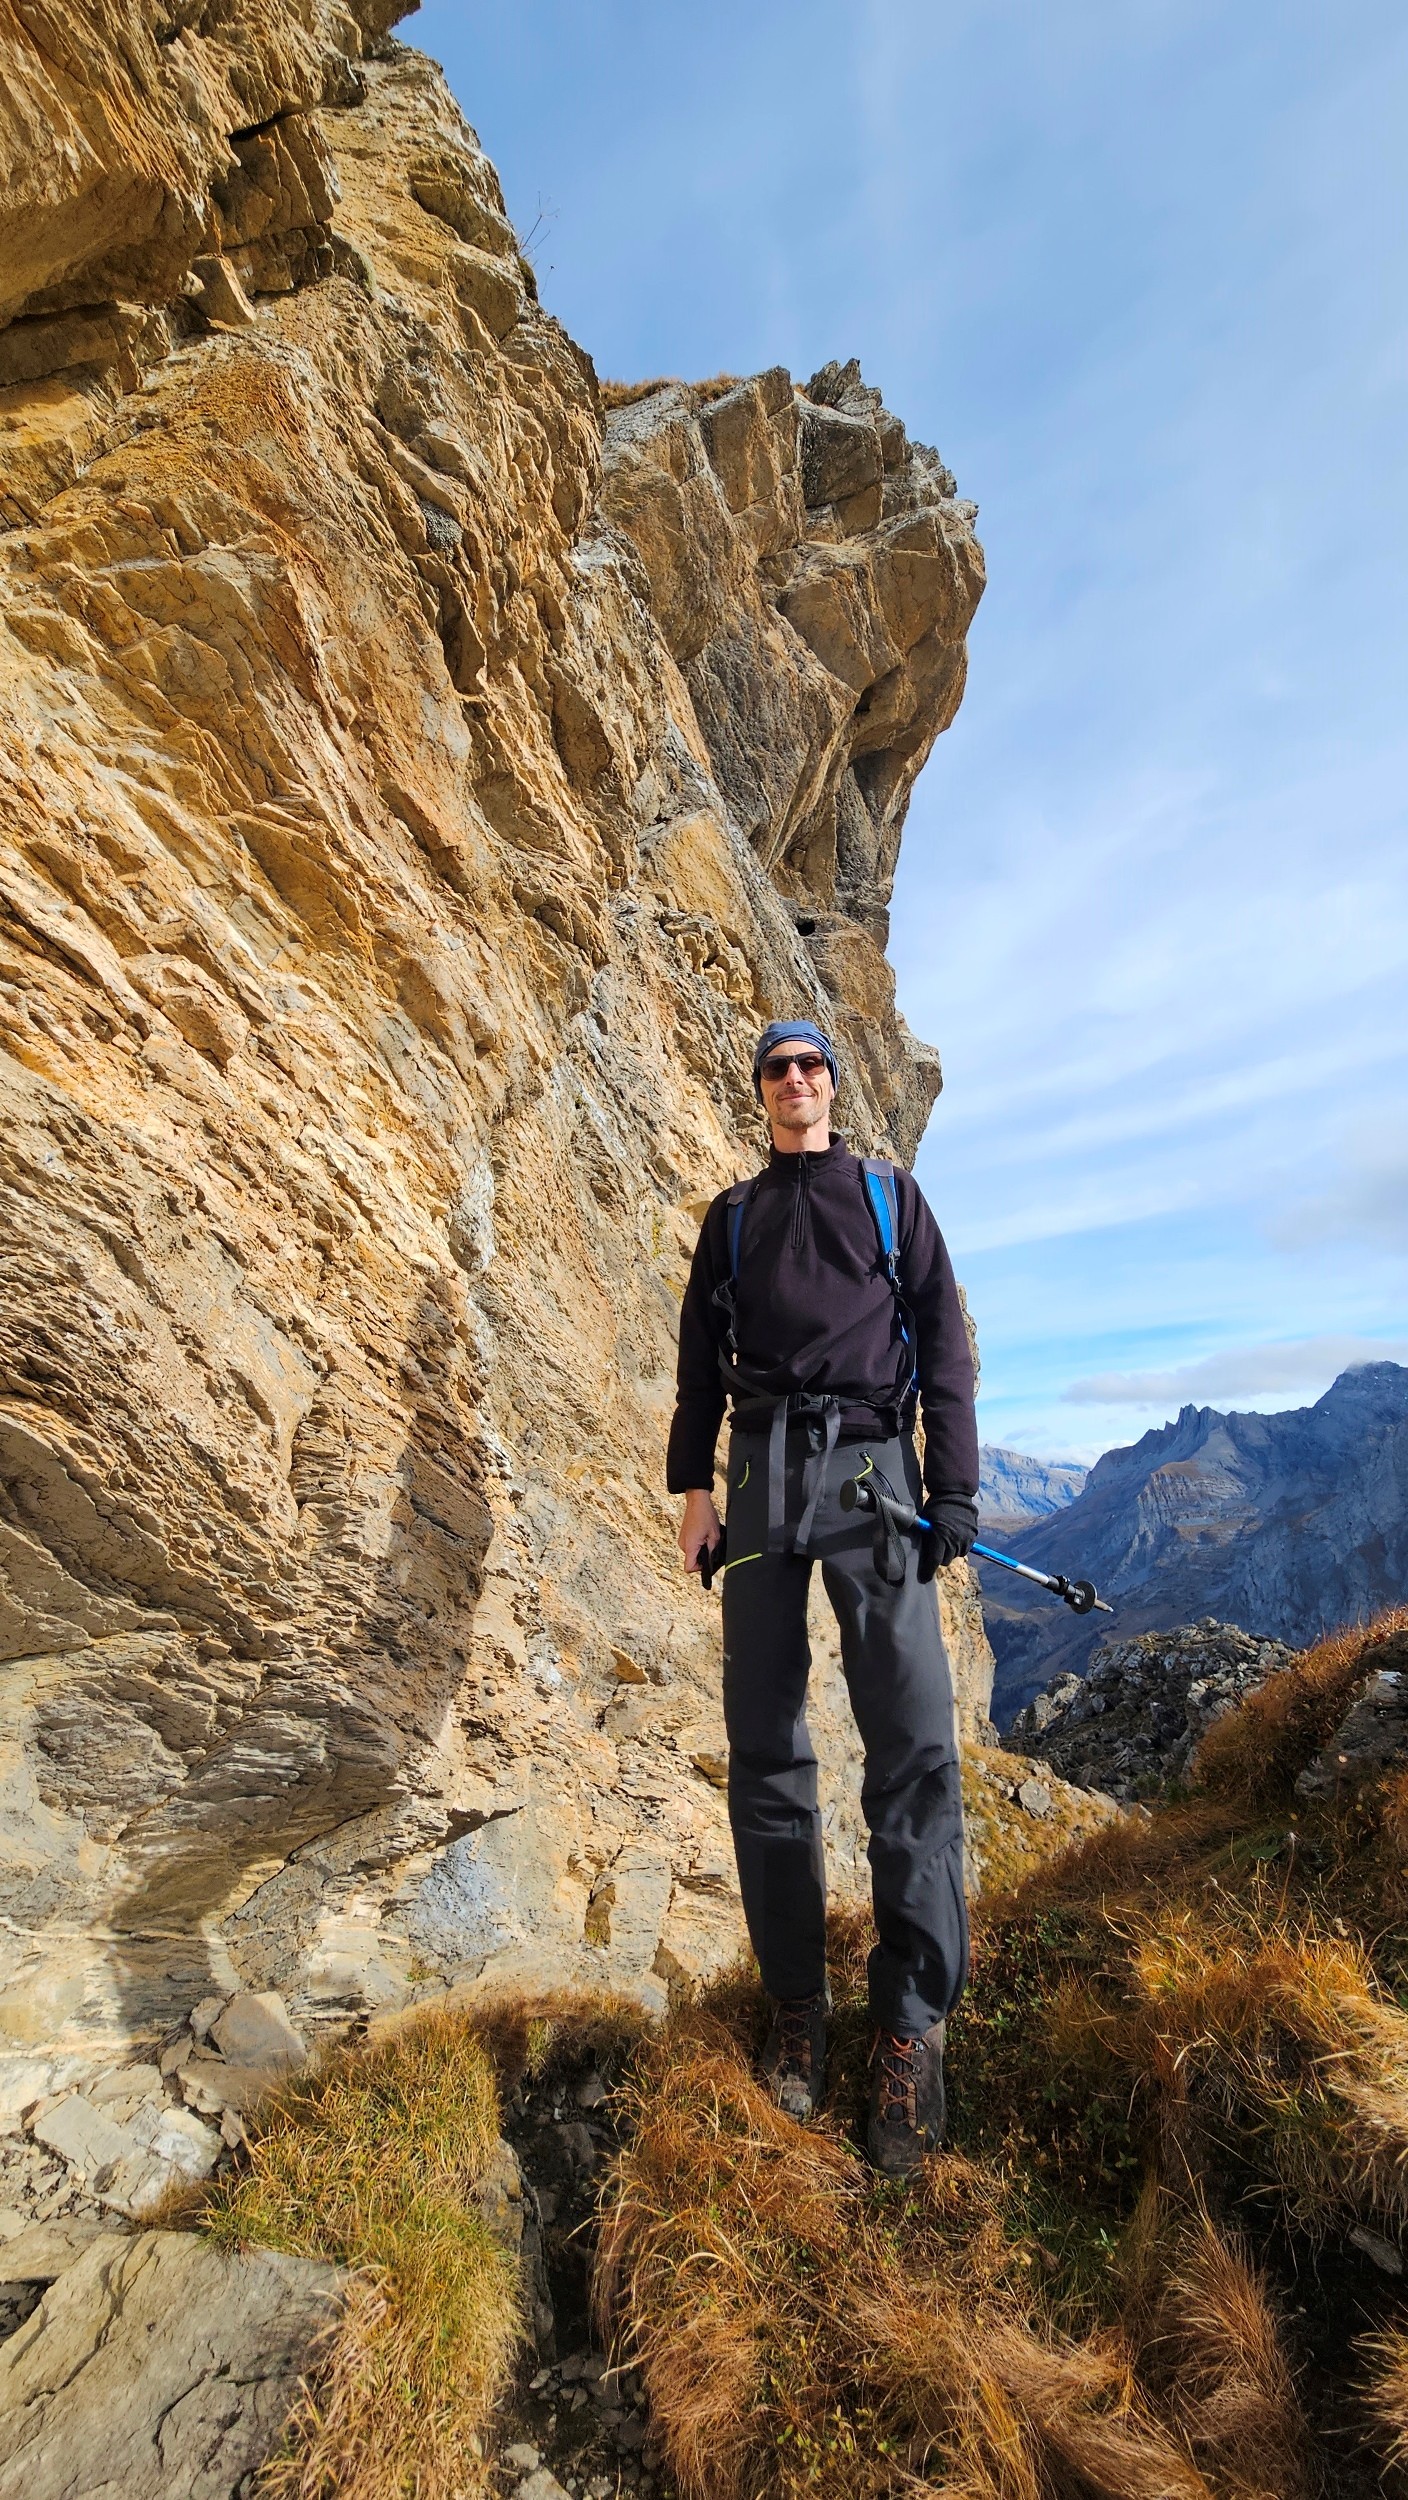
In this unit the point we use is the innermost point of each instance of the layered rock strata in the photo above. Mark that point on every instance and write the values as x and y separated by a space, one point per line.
418 782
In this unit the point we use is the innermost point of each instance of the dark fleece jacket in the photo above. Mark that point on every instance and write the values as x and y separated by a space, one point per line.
815 1312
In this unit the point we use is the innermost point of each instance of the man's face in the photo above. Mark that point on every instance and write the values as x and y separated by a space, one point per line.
800 1096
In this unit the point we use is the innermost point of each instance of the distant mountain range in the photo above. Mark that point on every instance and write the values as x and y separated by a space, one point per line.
1011 1487
1285 1524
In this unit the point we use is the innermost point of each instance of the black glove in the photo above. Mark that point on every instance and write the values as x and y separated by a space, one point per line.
953 1524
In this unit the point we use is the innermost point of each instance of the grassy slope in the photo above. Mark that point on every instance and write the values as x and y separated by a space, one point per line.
1179 2082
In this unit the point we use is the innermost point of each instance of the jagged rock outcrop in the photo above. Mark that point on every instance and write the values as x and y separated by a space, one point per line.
417 783
1291 1524
1131 1726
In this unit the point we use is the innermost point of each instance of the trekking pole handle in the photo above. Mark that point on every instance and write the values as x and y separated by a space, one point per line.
857 1494
1080 1595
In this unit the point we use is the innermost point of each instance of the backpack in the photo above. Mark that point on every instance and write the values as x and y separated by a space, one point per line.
882 1194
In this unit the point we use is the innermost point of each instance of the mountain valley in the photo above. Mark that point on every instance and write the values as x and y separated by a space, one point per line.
1288 1525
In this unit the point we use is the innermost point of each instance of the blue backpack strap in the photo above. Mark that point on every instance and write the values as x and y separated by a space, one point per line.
885 1207
883 1193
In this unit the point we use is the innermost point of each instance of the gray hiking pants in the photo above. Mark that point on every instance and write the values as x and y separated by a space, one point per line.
901 1694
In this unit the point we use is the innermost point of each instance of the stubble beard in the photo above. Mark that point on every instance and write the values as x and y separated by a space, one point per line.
798 1114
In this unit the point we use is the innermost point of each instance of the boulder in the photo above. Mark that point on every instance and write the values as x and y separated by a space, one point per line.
131 2162
82 2135
158 2367
39 2252
256 2031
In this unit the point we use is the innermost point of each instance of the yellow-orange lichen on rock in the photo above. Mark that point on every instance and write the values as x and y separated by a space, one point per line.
417 785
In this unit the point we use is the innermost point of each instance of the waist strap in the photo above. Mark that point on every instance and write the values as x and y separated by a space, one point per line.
820 1418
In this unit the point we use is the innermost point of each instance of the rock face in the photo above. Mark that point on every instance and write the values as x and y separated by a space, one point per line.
1131 1726
417 784
1371 1740
1019 1813
1013 1489
1292 1524
157 2365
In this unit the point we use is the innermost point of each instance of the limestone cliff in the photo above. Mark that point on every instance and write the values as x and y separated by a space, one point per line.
418 782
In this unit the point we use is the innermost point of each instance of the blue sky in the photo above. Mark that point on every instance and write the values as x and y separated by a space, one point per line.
1138 268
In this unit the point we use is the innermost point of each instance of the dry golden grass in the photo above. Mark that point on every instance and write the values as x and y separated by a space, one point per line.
1135 1854
1273 2046
1254 1754
1182 2056
373 2162
555 2031
1387 2395
1215 2347
803 2327
625 394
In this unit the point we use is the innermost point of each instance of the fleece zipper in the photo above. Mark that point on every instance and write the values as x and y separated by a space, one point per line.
802 1188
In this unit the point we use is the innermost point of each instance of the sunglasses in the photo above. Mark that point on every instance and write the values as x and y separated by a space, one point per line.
806 1063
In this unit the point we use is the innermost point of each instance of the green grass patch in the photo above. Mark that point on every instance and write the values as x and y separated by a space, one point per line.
376 2162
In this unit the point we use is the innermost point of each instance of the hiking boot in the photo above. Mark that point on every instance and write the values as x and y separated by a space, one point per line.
906 2101
794 2058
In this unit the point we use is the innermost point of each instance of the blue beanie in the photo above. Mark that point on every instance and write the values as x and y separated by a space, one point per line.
803 1032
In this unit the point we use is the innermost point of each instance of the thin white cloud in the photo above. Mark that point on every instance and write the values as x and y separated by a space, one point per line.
1239 1372
1369 1203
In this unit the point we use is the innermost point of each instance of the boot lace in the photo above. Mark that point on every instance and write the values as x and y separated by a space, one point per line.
794 2037
898 2080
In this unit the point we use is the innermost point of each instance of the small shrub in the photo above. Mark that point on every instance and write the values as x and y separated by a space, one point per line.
1215 2346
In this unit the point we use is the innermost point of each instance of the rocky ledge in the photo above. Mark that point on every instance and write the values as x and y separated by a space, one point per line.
1130 1727
158 2365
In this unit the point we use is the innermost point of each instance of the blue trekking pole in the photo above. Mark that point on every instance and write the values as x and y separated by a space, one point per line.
1080 1595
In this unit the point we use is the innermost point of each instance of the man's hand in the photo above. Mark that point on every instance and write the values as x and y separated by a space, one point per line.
953 1524
701 1526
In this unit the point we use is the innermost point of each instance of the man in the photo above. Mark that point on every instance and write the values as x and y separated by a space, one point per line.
793 1311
